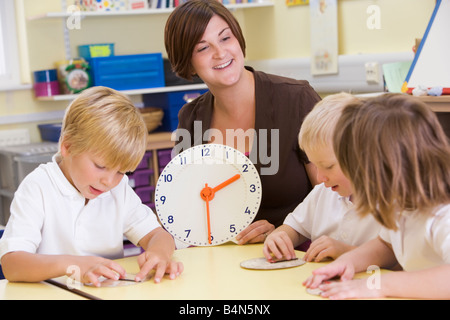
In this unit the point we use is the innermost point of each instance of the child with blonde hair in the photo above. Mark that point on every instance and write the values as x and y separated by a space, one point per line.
397 157
75 210
326 216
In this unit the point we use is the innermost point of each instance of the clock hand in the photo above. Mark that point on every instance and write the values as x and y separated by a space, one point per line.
208 218
227 182
207 194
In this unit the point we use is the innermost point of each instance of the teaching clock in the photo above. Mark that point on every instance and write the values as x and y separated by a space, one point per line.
207 194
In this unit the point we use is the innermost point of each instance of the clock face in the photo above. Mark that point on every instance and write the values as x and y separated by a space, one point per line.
207 194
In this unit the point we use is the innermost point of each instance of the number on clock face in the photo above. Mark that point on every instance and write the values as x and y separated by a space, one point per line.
207 194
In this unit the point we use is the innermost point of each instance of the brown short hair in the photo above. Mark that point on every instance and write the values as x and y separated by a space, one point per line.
396 154
185 27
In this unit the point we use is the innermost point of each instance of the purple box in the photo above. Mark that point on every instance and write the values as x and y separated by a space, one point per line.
141 178
146 162
164 157
145 193
151 205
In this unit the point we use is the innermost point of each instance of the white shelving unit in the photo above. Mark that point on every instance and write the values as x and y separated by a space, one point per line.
112 14
86 14
68 97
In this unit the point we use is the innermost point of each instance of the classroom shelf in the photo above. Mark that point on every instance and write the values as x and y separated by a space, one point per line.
68 97
87 14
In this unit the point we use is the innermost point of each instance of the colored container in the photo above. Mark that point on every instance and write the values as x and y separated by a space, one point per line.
171 103
46 83
141 178
89 51
45 75
145 193
128 72
50 131
146 162
164 157
46 89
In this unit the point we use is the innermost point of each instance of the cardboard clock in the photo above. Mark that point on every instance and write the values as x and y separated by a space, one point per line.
207 194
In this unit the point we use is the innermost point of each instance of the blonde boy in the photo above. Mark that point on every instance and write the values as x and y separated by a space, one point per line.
75 210
326 215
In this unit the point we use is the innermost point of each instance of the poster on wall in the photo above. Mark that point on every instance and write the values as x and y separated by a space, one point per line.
324 37
290 3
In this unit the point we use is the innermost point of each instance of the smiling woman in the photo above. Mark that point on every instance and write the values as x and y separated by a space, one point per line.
202 37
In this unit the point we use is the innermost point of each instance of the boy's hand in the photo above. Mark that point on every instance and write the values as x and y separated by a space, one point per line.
92 268
342 269
256 232
325 247
151 260
278 245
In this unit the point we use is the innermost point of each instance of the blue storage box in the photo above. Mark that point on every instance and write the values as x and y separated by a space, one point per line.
128 72
171 103
50 131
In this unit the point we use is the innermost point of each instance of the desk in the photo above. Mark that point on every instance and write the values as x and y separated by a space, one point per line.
437 104
34 291
210 273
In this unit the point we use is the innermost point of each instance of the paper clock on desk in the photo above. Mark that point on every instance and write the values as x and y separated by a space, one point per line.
207 194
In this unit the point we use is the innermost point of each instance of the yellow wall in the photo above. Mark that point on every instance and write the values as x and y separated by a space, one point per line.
271 32
283 32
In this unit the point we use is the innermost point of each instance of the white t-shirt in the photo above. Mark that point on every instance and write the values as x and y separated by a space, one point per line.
49 216
421 241
325 212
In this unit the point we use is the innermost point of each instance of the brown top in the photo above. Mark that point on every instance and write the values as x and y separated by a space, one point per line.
281 104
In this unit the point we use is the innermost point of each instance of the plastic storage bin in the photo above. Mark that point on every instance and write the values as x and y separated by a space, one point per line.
50 131
164 157
145 193
15 163
146 162
171 103
46 83
128 72
140 178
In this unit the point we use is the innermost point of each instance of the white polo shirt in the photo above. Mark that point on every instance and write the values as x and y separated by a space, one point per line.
421 241
49 216
325 212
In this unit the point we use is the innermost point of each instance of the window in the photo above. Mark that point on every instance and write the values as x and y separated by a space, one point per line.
9 55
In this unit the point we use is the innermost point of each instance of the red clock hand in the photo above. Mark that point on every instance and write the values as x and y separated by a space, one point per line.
207 194
227 182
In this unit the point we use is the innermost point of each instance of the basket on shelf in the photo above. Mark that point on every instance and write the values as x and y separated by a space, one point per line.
152 117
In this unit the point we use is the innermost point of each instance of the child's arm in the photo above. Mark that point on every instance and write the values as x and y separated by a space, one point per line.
30 267
159 247
374 252
326 247
281 243
429 284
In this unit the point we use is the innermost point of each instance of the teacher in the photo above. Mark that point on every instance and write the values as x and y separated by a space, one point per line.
257 113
